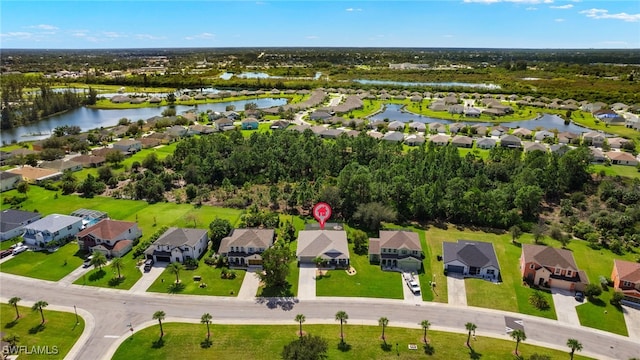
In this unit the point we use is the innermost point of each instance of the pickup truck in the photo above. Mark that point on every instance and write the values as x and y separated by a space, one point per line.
412 284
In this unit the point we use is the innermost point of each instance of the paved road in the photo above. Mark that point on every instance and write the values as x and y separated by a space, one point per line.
632 318
112 310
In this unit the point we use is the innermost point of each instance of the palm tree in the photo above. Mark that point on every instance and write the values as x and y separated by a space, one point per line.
470 327
300 319
425 326
342 317
206 319
117 265
518 335
14 302
383 321
159 315
574 345
176 267
98 260
39 306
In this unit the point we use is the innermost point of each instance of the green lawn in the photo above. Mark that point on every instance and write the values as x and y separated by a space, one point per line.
600 314
369 281
617 170
59 331
209 275
45 265
288 290
510 294
183 341
108 277
7 243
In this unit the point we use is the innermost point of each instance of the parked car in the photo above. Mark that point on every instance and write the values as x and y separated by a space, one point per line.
148 264
579 296
412 284
18 249
5 253
87 261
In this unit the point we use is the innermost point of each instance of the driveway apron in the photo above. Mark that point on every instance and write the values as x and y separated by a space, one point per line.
456 290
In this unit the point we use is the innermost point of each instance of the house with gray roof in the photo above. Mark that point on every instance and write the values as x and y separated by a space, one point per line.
456 127
436 127
12 222
593 138
543 134
329 245
224 124
331 133
8 180
462 141
486 143
510 141
393 136
396 126
243 247
418 126
53 227
178 245
128 146
414 140
597 155
522 132
396 250
534 146
471 258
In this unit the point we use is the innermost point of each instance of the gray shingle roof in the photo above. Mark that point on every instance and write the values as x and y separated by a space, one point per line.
330 243
180 236
53 222
257 238
472 253
11 219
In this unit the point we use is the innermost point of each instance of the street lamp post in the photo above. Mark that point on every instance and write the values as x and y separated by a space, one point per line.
76 311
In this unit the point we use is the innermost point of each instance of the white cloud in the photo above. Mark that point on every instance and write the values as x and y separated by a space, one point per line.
148 37
352 9
204 35
79 34
531 8
604 14
113 34
43 27
559 20
510 1
17 35
562 7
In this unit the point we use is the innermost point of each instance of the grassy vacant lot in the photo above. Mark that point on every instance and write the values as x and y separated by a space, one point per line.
182 341
108 277
510 295
209 275
617 170
59 329
45 265
369 281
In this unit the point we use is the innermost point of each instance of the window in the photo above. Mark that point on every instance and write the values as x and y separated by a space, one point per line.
557 271
69 227
490 272
627 284
531 266
569 273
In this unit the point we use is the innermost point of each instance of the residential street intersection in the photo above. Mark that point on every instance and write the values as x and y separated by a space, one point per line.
108 313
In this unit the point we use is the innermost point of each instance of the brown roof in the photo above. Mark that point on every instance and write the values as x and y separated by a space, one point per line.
121 245
400 239
374 246
103 151
549 256
620 155
107 229
257 238
627 270
89 159
31 173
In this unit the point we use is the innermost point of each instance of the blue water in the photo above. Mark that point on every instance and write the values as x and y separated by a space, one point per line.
440 84
393 112
88 119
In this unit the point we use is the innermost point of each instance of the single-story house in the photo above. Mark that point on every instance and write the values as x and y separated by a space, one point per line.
593 138
456 127
128 146
8 180
567 137
396 250
551 267
393 136
61 165
178 245
471 258
543 134
418 126
201 129
462 141
113 238
331 133
414 140
320 115
36 175
12 222
486 143
440 140
243 247
396 126
622 158
510 141
89 161
279 125
472 112
597 155
522 132
224 124
249 123
177 131
617 142
559 149
51 228
436 127
534 146
329 245
479 129
626 279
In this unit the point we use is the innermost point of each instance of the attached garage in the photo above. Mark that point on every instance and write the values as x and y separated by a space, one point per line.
455 269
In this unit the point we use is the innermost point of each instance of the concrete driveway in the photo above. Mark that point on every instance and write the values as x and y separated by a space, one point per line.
307 282
409 296
75 274
149 277
632 318
456 290
250 286
565 305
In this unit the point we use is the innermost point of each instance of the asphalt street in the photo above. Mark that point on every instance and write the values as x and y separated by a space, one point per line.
108 313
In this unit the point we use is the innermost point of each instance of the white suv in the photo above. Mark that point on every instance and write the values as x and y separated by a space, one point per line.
18 249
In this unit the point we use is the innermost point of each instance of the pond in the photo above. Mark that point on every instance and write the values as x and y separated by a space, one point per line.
436 84
394 112
88 119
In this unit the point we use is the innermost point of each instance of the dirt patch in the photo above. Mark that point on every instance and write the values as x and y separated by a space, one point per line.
351 271
321 272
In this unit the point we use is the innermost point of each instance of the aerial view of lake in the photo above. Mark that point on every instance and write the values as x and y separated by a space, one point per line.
440 84
394 112
88 119
261 75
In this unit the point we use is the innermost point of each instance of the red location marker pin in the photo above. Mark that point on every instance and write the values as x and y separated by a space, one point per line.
322 213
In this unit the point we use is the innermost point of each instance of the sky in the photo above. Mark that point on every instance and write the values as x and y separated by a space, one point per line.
545 24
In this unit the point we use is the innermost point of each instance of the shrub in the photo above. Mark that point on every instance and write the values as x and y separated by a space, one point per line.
539 301
617 298
592 291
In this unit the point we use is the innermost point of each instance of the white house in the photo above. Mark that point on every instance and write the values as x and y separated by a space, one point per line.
8 180
178 245
51 228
